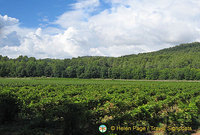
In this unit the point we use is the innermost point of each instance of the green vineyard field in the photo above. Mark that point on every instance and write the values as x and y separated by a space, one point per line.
57 106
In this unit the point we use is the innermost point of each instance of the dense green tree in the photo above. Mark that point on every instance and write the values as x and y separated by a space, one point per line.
80 72
104 72
179 74
116 73
48 71
30 68
164 74
40 68
3 69
21 71
152 74
179 62
92 72
70 72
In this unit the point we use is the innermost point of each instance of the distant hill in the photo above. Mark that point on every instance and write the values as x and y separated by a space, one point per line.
179 62
182 47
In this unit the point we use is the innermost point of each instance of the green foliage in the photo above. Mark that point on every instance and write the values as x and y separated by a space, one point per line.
177 63
9 106
79 106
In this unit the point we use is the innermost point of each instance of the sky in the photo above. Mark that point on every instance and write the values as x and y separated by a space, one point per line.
72 28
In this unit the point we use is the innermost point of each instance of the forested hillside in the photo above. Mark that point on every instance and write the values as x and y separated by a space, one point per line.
179 62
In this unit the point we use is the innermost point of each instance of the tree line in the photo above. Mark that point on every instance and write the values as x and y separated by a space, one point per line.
180 62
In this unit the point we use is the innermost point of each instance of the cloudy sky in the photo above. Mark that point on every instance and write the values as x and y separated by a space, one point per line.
72 28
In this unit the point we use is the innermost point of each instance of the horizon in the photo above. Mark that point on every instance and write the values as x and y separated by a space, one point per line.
111 28
97 55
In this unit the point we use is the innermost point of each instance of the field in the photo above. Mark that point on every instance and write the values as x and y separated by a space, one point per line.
57 106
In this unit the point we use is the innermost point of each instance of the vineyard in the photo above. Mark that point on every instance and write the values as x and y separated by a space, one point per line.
57 106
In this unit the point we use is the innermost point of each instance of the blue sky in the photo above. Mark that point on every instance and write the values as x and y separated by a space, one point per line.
72 28
31 13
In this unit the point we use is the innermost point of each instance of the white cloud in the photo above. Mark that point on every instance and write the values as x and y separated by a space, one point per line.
87 5
72 18
127 27
7 21
42 45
